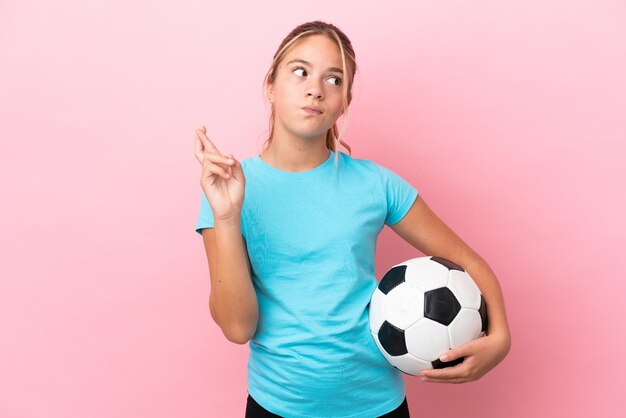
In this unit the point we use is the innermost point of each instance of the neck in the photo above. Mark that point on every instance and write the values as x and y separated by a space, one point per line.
289 152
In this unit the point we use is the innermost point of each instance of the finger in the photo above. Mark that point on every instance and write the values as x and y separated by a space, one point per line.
198 149
235 165
203 143
445 373
236 170
214 168
457 380
217 158
231 162
206 142
451 360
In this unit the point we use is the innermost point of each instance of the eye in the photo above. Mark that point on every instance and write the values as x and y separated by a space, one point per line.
336 78
299 68
338 81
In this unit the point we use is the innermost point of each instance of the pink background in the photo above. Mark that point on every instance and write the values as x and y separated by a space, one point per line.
508 116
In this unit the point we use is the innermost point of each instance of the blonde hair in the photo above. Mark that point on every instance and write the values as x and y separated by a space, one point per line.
348 59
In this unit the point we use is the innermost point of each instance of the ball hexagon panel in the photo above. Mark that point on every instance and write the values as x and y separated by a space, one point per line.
426 275
407 363
427 339
404 305
465 327
464 288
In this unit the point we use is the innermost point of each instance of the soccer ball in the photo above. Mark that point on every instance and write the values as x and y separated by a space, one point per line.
422 308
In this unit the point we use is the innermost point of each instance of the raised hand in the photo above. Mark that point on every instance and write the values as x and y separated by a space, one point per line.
222 178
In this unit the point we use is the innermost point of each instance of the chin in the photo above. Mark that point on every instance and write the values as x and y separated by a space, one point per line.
310 134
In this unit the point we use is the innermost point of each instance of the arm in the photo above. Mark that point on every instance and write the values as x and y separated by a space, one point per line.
233 302
423 229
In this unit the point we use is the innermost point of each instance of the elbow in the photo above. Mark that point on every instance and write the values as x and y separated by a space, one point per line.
506 345
236 332
238 340
240 337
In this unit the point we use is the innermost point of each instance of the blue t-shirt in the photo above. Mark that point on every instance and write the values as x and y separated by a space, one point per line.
311 239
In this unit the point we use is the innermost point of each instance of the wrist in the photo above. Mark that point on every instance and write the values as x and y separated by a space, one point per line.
229 222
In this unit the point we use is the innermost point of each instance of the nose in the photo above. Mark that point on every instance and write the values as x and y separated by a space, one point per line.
315 90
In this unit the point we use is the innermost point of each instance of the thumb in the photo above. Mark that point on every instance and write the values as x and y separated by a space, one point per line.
235 168
457 353
452 354
448 356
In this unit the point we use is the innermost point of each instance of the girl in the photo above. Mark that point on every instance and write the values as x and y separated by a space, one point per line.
292 264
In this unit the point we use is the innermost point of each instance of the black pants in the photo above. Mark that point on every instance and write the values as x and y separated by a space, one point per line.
254 410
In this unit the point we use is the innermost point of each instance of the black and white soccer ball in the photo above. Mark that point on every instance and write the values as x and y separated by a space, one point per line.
422 308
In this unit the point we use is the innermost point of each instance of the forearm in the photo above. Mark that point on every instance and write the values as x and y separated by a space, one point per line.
234 304
494 299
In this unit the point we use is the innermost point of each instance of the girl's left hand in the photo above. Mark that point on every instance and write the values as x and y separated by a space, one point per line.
480 356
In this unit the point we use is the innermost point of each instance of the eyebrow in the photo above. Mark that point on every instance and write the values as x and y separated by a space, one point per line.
335 69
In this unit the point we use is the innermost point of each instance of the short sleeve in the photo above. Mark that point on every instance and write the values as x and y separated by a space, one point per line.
400 195
205 216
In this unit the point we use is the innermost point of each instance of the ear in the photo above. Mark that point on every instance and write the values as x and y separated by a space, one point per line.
269 92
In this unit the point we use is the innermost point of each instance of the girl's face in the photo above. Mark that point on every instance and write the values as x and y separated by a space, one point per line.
309 75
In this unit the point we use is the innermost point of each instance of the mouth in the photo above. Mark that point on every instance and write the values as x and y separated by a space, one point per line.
312 110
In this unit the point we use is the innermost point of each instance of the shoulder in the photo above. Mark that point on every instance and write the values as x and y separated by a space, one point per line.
247 163
368 168
362 164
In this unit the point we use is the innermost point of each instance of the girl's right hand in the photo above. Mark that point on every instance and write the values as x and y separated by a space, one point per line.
222 178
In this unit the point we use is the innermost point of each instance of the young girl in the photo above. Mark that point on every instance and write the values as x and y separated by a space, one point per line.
292 264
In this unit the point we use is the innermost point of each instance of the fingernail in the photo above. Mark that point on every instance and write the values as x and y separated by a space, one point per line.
443 358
